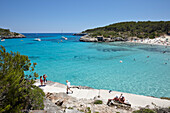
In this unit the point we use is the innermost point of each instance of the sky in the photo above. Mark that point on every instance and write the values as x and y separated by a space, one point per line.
72 16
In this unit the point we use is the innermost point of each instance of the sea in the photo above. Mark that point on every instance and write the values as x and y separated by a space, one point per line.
119 66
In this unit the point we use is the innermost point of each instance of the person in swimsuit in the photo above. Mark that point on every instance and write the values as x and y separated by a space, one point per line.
41 80
122 99
45 79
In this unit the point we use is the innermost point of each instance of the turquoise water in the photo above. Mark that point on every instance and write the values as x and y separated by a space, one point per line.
98 65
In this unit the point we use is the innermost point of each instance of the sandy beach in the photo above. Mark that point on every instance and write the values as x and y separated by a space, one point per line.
136 101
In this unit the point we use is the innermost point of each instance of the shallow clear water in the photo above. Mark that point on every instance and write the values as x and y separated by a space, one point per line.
98 65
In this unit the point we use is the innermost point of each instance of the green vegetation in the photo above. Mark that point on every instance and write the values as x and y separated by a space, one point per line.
70 107
4 32
7 32
17 92
141 29
144 111
167 98
98 102
88 110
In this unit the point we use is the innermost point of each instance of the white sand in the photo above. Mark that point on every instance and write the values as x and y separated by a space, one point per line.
135 100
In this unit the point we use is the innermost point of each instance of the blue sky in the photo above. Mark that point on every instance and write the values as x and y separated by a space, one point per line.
54 16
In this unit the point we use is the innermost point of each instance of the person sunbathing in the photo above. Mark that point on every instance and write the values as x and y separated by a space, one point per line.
114 99
122 99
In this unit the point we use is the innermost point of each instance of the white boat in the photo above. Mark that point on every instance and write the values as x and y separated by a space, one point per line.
2 40
37 39
64 38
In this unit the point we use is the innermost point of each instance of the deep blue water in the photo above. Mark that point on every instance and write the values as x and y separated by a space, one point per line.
98 65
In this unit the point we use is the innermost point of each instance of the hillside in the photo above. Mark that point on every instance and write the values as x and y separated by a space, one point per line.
6 34
140 29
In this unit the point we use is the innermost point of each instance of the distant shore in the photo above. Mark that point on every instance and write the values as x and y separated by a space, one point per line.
163 40
136 101
11 37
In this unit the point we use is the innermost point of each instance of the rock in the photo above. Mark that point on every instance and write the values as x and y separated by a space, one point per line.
50 107
59 103
72 111
87 38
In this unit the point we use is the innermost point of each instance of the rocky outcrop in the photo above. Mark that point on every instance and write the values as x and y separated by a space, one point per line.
70 104
87 38
12 36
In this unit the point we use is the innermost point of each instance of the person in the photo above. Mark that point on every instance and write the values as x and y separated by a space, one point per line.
116 98
68 86
41 80
122 99
45 79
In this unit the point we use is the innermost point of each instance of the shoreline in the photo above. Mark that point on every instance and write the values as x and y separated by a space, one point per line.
136 101
162 40
151 44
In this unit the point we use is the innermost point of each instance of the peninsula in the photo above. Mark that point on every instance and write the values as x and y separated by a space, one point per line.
7 34
128 31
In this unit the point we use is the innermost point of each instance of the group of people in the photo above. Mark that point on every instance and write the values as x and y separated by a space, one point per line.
120 99
44 80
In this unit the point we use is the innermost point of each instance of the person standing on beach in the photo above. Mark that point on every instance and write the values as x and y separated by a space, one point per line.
68 86
45 79
41 80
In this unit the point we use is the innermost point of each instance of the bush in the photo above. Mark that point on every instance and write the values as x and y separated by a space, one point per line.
70 107
98 102
144 111
167 98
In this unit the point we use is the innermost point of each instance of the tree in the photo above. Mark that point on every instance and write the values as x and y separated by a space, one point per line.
17 91
141 29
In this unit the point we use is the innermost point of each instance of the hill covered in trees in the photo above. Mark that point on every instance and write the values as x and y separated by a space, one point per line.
6 33
140 29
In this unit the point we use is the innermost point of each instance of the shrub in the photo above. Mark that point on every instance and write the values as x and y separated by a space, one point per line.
98 102
144 111
167 98
70 107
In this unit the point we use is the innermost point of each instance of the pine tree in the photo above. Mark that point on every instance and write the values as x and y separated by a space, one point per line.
17 91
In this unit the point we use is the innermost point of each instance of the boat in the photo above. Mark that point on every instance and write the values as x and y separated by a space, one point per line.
2 40
37 39
64 38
